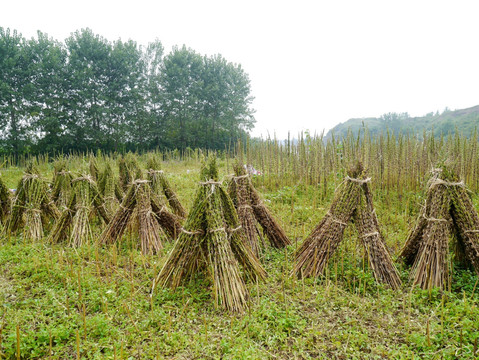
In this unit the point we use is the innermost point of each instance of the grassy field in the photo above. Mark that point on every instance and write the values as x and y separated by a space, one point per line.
94 302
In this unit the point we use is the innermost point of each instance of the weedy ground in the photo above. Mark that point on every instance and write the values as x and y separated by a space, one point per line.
94 302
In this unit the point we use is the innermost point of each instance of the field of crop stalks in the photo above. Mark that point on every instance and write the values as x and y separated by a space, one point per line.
355 248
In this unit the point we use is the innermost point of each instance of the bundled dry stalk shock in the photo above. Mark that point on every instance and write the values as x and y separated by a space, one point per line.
94 172
150 216
81 229
413 242
5 202
148 227
239 192
170 195
33 206
159 183
129 171
448 211
313 255
76 216
430 268
466 222
211 243
61 184
352 201
107 186
123 174
167 220
118 224
248 203
369 232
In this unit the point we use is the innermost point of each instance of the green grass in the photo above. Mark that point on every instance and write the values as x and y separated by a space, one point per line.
102 295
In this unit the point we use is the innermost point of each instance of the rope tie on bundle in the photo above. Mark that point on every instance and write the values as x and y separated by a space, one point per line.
163 209
333 219
235 178
210 182
447 183
359 181
195 232
245 206
125 208
217 230
67 209
33 210
235 229
31 176
83 178
78 207
201 232
434 219
370 234
146 212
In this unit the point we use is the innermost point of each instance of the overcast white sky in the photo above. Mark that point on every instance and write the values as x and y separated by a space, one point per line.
312 64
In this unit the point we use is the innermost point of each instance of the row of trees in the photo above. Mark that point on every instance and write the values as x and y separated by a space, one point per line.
89 93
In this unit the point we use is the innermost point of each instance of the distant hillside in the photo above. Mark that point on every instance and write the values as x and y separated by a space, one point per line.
465 120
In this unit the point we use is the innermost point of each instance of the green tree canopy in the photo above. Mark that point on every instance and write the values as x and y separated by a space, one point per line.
90 93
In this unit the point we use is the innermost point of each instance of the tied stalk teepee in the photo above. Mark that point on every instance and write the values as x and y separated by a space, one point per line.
152 218
5 202
448 213
212 243
76 217
33 206
352 203
252 212
160 185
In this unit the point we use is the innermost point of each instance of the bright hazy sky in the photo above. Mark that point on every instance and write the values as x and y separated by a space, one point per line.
312 64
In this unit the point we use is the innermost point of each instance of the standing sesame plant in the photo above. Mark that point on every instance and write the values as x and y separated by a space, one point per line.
352 202
211 243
